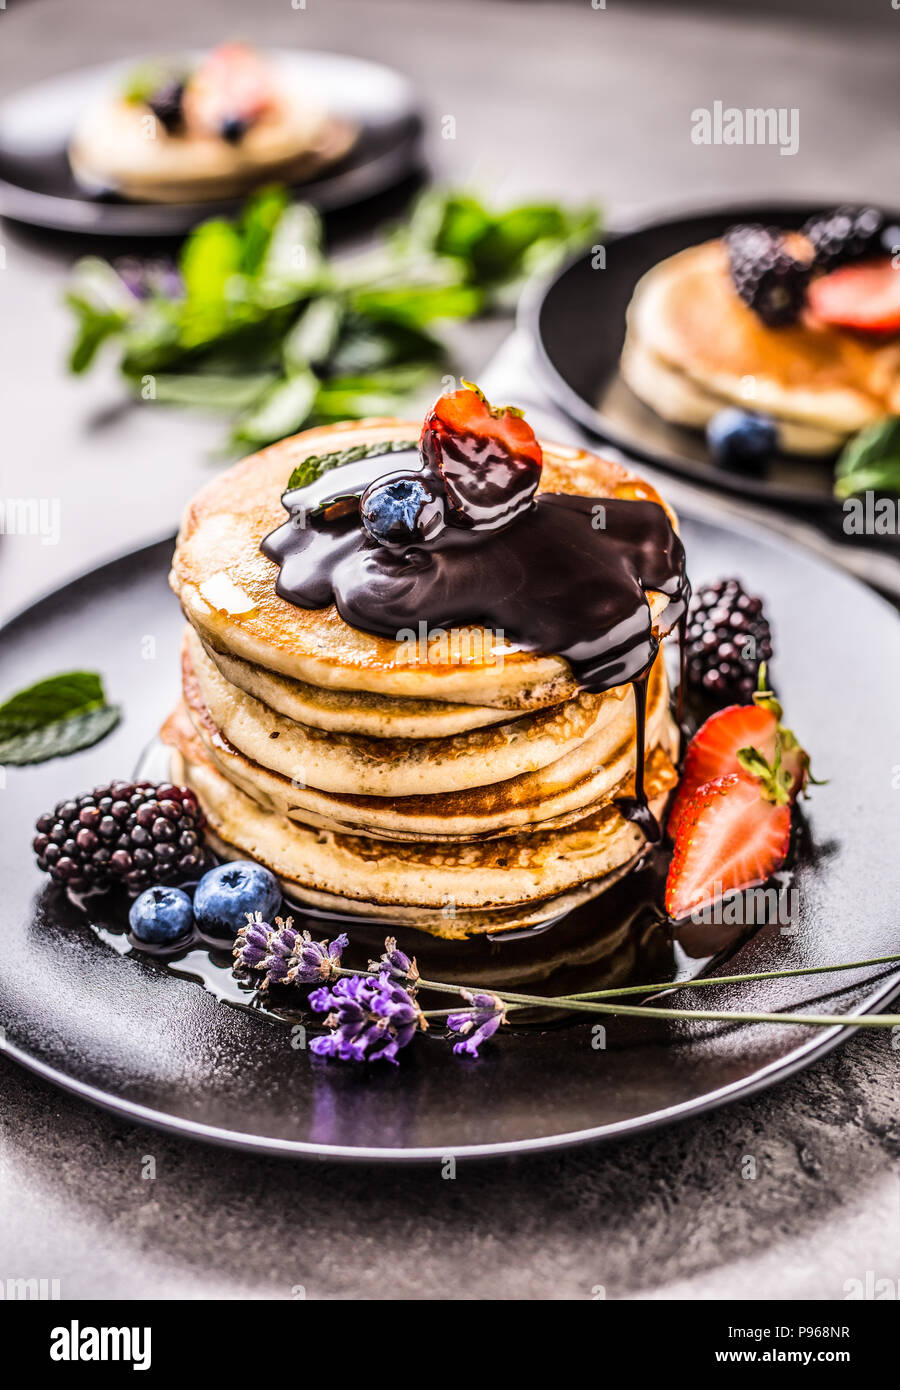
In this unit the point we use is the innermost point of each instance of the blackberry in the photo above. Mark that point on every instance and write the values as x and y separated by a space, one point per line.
134 833
765 274
166 105
846 234
727 637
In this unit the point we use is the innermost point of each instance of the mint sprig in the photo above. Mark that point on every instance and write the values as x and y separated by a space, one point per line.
55 717
312 468
338 337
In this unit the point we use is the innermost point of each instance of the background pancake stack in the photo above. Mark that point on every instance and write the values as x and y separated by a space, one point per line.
469 787
822 385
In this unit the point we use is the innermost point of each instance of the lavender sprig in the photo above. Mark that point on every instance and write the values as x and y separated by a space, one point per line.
477 1024
371 1018
397 965
285 955
374 1014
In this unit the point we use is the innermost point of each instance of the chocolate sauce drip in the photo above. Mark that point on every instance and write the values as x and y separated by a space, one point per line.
567 577
635 808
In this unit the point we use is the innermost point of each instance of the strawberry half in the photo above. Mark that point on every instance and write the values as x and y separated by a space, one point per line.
731 836
717 746
487 457
713 751
865 297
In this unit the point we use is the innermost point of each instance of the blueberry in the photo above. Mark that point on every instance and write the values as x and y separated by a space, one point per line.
739 439
233 129
401 511
227 893
161 915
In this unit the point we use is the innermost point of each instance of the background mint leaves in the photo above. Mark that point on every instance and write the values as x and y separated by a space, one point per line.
871 461
55 717
257 305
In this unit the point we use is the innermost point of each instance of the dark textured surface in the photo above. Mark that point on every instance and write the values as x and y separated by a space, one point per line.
671 1215
668 1213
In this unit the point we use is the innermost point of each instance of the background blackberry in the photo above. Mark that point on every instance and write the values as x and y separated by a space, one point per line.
726 639
127 832
847 234
165 103
765 274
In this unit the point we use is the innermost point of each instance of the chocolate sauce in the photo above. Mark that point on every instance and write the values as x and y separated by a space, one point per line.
568 577
635 808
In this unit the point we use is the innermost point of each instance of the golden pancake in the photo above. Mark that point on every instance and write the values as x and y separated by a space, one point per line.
686 317
227 587
447 922
353 711
673 395
111 148
512 873
565 790
389 766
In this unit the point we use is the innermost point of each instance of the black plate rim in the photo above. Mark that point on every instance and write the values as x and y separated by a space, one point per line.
797 1059
328 192
530 312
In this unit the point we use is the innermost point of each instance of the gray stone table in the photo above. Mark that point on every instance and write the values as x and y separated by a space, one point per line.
550 99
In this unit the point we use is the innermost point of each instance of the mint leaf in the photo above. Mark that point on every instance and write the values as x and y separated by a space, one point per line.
46 702
54 717
313 467
212 390
870 462
261 216
283 410
58 739
312 339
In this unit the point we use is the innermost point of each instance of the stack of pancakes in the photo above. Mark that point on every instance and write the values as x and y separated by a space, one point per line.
693 347
468 787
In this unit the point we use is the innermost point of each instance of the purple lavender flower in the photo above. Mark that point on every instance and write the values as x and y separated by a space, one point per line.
397 965
371 1018
151 278
286 955
315 961
254 941
477 1024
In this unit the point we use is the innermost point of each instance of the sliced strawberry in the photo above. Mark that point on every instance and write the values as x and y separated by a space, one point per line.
731 836
865 297
713 750
233 84
749 737
488 458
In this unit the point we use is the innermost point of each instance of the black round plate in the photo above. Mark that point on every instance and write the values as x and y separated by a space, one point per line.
578 323
122 1032
37 185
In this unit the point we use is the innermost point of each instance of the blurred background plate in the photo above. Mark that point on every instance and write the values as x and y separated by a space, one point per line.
38 187
578 323
122 1032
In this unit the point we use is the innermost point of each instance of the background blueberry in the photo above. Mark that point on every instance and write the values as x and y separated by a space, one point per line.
740 439
227 893
401 511
161 915
233 129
